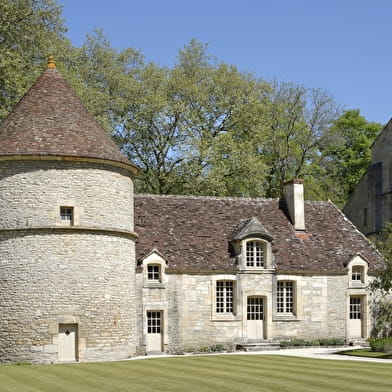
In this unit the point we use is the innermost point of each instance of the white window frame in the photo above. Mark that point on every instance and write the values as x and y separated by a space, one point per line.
285 298
154 272
154 321
154 259
67 215
255 305
254 253
356 308
258 258
224 298
357 272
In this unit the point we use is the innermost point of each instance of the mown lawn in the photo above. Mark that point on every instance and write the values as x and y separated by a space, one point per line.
240 373
367 352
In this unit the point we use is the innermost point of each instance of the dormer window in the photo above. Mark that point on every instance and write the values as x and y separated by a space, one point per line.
254 254
357 274
251 244
154 273
154 266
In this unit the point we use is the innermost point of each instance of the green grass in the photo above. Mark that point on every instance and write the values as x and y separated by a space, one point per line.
227 373
367 352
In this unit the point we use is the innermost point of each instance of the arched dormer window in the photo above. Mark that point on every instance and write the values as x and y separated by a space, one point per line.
254 254
251 243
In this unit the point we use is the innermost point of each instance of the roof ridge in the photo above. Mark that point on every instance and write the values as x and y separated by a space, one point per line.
151 195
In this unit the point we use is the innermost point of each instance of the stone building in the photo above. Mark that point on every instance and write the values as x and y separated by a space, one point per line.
205 271
370 206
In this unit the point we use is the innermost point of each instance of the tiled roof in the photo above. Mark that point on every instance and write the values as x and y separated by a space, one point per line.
193 233
50 120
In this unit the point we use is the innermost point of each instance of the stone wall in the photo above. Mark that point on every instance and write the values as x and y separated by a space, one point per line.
82 275
321 308
374 191
31 193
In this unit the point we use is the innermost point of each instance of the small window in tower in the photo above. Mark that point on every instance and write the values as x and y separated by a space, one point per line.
365 217
66 215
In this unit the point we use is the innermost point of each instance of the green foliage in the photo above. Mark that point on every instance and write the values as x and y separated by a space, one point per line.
298 121
384 278
346 154
332 342
382 315
200 127
315 342
29 31
382 345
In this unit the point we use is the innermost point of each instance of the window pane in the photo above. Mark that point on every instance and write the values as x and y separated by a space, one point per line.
255 308
224 296
153 272
154 322
285 297
254 254
66 213
355 308
356 273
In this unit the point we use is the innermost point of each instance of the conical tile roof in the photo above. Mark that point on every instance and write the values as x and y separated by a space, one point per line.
51 120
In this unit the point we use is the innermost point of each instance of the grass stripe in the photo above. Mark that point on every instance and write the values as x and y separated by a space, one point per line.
245 373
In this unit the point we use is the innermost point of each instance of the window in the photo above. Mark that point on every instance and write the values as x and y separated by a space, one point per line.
357 274
66 215
365 217
154 273
224 296
255 309
355 308
254 254
285 297
153 322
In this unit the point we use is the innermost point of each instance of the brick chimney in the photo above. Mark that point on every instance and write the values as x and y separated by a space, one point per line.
294 198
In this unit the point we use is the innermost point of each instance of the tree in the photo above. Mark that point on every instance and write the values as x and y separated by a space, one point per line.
384 279
104 77
382 286
298 122
182 120
29 31
346 154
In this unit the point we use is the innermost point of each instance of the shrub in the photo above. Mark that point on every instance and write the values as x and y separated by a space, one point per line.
217 348
383 345
314 343
294 343
331 342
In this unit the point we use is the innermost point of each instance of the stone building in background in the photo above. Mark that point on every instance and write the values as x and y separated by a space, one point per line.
370 206
207 271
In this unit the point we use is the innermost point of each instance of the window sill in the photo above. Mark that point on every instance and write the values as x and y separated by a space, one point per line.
153 285
359 285
286 317
225 317
256 270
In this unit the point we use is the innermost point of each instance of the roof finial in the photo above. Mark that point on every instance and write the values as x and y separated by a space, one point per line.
51 63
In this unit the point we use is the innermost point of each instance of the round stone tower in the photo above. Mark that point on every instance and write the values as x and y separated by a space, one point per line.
67 245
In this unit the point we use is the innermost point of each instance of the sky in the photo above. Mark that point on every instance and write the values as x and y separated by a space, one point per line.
342 46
